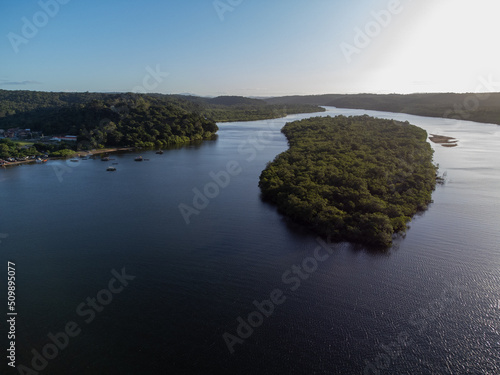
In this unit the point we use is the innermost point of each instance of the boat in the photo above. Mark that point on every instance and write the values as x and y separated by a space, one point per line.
111 169
139 158
159 152
74 160
105 158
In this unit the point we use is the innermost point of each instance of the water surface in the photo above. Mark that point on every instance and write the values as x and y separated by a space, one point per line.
430 305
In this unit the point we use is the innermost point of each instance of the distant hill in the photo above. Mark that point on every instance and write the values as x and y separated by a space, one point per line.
240 108
474 107
306 99
235 100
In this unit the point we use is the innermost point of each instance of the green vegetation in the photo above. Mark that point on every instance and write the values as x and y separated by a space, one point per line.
237 108
353 178
136 120
107 120
23 144
63 153
16 149
9 149
472 107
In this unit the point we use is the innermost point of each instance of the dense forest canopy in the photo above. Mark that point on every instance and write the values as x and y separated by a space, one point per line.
117 120
473 107
132 118
359 179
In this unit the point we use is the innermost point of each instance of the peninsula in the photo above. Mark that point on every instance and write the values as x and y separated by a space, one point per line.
62 124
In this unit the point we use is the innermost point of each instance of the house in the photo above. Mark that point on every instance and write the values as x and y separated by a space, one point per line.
12 133
66 138
24 133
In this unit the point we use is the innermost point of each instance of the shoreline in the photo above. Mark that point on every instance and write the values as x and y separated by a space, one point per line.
77 154
101 151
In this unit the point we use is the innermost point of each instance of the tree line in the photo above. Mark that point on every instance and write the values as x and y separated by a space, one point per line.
483 107
140 120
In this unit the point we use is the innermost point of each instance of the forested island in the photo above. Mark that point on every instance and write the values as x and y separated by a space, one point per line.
358 179
100 120
483 107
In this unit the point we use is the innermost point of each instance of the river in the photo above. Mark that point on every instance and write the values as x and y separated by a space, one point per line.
153 268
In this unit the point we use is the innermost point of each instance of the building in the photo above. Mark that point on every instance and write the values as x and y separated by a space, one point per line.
66 138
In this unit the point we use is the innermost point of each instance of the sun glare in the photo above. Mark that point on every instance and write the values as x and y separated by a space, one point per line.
446 48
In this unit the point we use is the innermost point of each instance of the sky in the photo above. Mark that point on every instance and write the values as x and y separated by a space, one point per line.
250 47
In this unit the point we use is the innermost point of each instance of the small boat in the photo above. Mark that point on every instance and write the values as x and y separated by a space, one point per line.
159 152
139 158
105 158
74 160
111 169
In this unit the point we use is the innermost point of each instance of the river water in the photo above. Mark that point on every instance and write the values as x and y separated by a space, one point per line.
144 275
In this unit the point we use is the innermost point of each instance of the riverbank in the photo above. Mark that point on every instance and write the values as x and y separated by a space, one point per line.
78 154
102 151
444 105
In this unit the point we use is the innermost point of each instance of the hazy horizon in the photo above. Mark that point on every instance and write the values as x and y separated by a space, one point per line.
252 49
257 96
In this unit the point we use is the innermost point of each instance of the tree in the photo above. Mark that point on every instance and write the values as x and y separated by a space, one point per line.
4 151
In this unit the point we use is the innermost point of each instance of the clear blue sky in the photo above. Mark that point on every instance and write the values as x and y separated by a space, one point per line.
259 48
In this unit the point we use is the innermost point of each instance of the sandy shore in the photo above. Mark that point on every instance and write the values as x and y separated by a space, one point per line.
444 140
102 151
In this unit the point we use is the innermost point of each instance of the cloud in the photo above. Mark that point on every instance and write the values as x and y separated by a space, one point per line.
4 82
